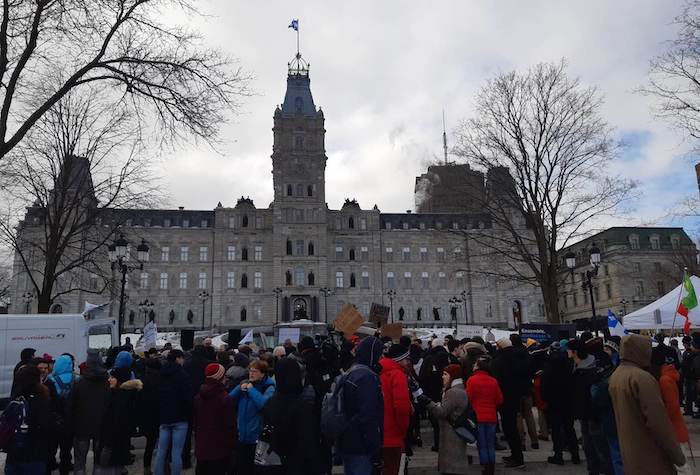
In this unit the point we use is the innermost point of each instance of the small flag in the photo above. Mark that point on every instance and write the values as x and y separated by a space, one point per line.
689 302
248 338
294 25
614 325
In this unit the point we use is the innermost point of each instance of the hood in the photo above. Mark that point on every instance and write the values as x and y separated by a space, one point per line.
211 389
636 349
93 363
63 369
586 363
369 351
27 354
132 385
288 378
389 365
670 371
123 360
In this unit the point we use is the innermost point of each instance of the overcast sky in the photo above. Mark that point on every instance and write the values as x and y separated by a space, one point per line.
383 71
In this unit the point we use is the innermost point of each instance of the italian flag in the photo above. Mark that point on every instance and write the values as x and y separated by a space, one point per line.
689 302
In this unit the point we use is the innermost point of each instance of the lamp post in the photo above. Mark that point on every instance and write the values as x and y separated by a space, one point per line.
27 298
203 296
587 284
118 256
146 307
277 292
391 294
461 299
624 303
454 304
326 292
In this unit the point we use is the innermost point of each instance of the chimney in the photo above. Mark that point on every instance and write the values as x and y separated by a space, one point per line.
181 208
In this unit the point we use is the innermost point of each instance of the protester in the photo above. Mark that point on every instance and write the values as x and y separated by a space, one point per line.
238 371
506 370
88 402
251 395
360 445
485 397
668 384
149 407
61 381
647 439
214 424
430 377
175 404
25 357
526 371
452 456
397 407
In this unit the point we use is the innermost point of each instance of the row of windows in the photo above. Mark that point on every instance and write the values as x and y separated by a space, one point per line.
638 292
244 222
190 316
300 190
231 254
183 280
654 241
422 225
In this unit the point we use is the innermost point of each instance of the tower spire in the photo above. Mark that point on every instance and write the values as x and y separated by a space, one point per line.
444 136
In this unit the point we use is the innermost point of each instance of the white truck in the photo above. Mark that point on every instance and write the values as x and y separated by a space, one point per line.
54 334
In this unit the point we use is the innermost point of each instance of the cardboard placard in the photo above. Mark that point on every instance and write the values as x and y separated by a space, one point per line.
392 330
348 320
379 314
469 331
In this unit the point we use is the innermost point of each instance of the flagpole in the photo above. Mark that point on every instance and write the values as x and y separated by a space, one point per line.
297 38
680 294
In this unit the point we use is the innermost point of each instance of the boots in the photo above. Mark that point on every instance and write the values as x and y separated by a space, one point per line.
488 469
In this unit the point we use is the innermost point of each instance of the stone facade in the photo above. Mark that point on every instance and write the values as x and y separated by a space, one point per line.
299 259
638 265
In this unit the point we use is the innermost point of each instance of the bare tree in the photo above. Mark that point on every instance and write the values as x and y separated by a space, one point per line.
546 149
49 48
79 165
5 281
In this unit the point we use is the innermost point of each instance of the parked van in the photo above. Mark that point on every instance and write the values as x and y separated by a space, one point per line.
54 334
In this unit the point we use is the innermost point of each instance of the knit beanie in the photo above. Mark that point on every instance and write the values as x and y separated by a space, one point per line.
504 342
454 370
397 352
124 360
214 371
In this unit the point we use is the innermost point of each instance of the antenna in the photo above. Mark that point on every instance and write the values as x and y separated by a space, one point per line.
444 136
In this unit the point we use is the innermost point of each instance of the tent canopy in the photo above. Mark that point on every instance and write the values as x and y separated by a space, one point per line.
660 314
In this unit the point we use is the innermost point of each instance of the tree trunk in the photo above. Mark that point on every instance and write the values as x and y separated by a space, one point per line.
550 295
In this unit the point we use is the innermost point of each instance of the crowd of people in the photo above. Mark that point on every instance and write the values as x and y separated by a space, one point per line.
301 409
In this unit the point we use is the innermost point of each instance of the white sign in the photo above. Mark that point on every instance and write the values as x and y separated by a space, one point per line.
469 331
150 335
289 334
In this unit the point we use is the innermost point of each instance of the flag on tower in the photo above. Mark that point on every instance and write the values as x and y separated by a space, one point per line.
689 302
294 25
614 326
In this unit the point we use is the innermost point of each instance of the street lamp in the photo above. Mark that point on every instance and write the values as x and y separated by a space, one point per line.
203 296
27 298
277 292
624 303
326 292
118 256
587 284
391 294
461 299
146 307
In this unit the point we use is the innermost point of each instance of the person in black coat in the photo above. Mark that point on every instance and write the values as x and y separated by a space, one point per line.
194 367
506 369
25 357
430 379
149 420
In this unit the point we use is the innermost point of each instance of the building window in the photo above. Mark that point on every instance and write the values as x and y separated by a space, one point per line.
244 221
183 280
657 266
387 225
338 225
144 280
404 225
353 282
244 281
660 288
351 223
575 295
407 284
634 241
311 248
184 253
364 254
455 225
655 242
637 266
299 276
459 276
231 280
389 254
202 280
608 291
406 254
231 253
163 280
675 242
365 280
424 254
339 280
259 222
442 280
299 244
288 277
165 254
244 314
300 188
441 254
458 253
425 280
257 282
639 288
352 254
231 222
166 223
309 191
338 252
93 281
258 253
185 223
363 224
289 247
203 253
312 279
205 223
244 254
257 310
289 190
390 282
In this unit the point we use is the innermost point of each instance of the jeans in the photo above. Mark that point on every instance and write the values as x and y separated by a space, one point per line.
28 468
357 464
486 441
615 455
595 445
81 447
171 433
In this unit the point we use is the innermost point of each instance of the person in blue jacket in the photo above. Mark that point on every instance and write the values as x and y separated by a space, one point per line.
251 396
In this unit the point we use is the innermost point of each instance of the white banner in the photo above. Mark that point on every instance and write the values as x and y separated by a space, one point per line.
289 334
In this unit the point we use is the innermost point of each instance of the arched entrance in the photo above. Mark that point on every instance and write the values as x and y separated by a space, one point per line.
300 309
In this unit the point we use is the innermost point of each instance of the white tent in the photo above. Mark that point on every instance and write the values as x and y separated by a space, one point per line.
660 314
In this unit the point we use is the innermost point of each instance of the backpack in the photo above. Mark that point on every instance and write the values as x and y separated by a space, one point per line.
14 428
334 420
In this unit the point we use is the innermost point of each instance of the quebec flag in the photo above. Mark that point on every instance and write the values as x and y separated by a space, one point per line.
614 325
294 25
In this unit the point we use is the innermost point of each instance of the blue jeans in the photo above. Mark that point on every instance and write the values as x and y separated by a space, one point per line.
171 433
357 464
28 468
486 441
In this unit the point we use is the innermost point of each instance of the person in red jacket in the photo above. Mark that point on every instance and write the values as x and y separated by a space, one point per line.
214 423
397 407
485 396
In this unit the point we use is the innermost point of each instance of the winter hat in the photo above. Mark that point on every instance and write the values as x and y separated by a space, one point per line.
240 359
397 353
214 371
530 342
504 342
564 344
124 360
279 352
454 370
47 358
612 345
306 343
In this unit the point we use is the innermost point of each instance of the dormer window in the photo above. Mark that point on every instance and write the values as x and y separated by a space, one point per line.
634 241
675 242
655 242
